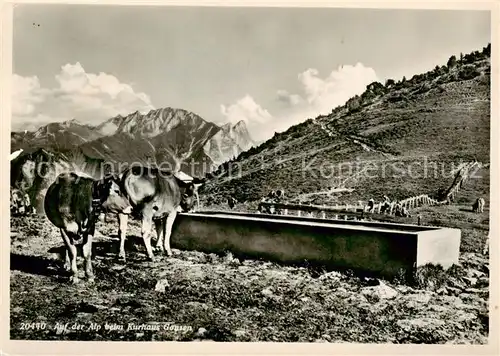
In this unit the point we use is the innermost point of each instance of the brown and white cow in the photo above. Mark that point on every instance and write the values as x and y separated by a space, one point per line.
157 196
478 206
73 203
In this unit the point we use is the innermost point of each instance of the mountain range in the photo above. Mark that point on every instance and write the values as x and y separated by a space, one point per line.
168 135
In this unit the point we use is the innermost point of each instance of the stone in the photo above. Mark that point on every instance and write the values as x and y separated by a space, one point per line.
456 284
382 291
201 332
161 285
326 337
471 280
267 292
239 333
420 323
330 275
418 300
453 291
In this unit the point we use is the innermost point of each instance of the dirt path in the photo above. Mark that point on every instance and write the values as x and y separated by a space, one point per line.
354 140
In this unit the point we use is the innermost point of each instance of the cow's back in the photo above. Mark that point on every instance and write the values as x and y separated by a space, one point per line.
68 199
151 187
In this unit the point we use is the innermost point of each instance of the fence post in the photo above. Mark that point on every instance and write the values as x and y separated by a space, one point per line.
298 212
323 214
285 212
336 217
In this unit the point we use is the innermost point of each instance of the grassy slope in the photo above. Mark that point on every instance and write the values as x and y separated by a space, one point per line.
447 123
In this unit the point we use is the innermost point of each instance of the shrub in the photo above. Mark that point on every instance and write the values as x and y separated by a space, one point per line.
487 50
452 62
468 72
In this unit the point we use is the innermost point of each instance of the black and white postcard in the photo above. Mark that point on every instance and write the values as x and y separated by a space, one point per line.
276 176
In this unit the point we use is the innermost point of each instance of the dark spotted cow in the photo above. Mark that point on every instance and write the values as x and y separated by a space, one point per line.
280 194
73 204
385 208
478 206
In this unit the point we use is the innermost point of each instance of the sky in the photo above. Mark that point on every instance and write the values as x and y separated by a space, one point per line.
271 67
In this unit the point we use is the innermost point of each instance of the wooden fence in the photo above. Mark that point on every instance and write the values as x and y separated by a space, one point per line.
357 210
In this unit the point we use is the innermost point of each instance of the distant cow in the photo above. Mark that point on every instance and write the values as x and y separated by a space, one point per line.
231 201
157 196
266 209
405 213
280 194
478 206
386 207
401 211
16 201
73 204
370 206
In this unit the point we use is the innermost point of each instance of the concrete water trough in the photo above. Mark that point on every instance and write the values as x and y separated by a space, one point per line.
385 249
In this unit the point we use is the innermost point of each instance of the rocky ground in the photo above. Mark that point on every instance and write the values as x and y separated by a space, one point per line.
197 296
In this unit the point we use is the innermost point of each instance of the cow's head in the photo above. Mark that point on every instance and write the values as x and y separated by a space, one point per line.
190 194
111 195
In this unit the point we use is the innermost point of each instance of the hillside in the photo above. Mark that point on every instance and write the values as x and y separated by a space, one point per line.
401 139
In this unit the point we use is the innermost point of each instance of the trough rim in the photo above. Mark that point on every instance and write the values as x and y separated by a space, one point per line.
327 223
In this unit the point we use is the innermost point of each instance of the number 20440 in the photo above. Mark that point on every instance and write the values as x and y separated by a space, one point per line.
33 326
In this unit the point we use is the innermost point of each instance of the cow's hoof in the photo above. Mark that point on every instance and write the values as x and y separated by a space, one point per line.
122 258
159 249
90 280
74 280
152 259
